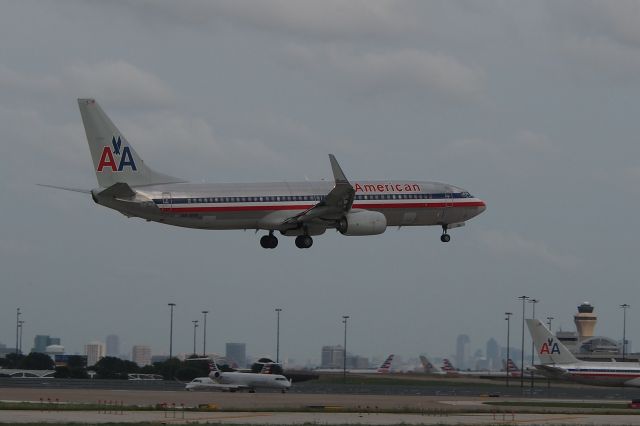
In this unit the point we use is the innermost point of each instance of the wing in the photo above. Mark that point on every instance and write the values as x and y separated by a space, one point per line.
334 205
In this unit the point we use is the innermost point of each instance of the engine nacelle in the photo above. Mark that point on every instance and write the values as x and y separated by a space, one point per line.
363 222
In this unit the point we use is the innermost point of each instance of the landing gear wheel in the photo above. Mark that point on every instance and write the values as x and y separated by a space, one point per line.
304 241
445 238
269 241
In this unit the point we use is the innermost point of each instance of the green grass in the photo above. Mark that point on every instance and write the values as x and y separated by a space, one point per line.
551 404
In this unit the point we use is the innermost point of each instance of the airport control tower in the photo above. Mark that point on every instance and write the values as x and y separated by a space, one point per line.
585 321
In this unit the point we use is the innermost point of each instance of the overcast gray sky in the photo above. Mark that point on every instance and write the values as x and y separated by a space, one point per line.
532 106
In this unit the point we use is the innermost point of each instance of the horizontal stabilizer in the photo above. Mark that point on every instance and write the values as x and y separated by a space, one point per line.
66 188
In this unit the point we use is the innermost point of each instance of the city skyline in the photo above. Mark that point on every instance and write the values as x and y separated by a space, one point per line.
483 361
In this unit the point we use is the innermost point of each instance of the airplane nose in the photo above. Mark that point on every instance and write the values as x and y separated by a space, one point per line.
482 206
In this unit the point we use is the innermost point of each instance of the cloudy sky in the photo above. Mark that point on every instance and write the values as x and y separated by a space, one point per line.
532 106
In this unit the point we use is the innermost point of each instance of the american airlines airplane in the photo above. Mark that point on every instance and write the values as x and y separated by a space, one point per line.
236 381
449 369
384 368
558 362
298 209
429 367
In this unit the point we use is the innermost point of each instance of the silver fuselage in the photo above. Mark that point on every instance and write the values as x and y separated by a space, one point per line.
267 205
596 373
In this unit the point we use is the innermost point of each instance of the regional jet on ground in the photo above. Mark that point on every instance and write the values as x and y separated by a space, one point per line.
558 362
236 381
300 209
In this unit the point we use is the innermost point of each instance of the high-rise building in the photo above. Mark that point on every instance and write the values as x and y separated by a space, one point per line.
585 321
41 341
141 355
237 352
113 345
94 352
332 356
462 352
493 355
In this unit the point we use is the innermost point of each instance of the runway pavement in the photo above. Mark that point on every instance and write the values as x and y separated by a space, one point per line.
369 386
262 418
446 402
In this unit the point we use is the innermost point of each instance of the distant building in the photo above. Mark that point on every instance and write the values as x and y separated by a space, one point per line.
159 358
357 362
141 355
53 350
63 360
493 355
462 352
4 350
41 341
332 357
95 352
113 345
238 353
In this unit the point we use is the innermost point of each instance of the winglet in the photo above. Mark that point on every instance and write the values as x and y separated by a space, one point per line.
338 174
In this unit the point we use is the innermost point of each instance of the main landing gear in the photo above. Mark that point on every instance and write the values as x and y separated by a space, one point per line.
304 241
269 241
445 237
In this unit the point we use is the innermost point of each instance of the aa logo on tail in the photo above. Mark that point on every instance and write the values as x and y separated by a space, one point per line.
110 153
550 347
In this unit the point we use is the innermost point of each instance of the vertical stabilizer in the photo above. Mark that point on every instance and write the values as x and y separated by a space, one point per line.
550 350
385 367
448 367
428 366
114 159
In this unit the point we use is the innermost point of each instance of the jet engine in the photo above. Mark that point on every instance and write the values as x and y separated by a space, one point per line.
362 222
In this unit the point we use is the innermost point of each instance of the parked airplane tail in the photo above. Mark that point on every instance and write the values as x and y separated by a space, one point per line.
385 367
114 159
550 349
428 366
448 367
512 365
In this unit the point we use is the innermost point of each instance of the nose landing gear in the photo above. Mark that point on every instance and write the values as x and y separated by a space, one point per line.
445 237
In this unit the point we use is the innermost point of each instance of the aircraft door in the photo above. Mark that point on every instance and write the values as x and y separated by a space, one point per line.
167 202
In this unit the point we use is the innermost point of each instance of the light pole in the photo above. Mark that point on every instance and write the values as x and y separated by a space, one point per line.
278 310
17 329
344 359
524 299
533 315
204 333
549 322
21 322
624 307
171 305
508 318
195 326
